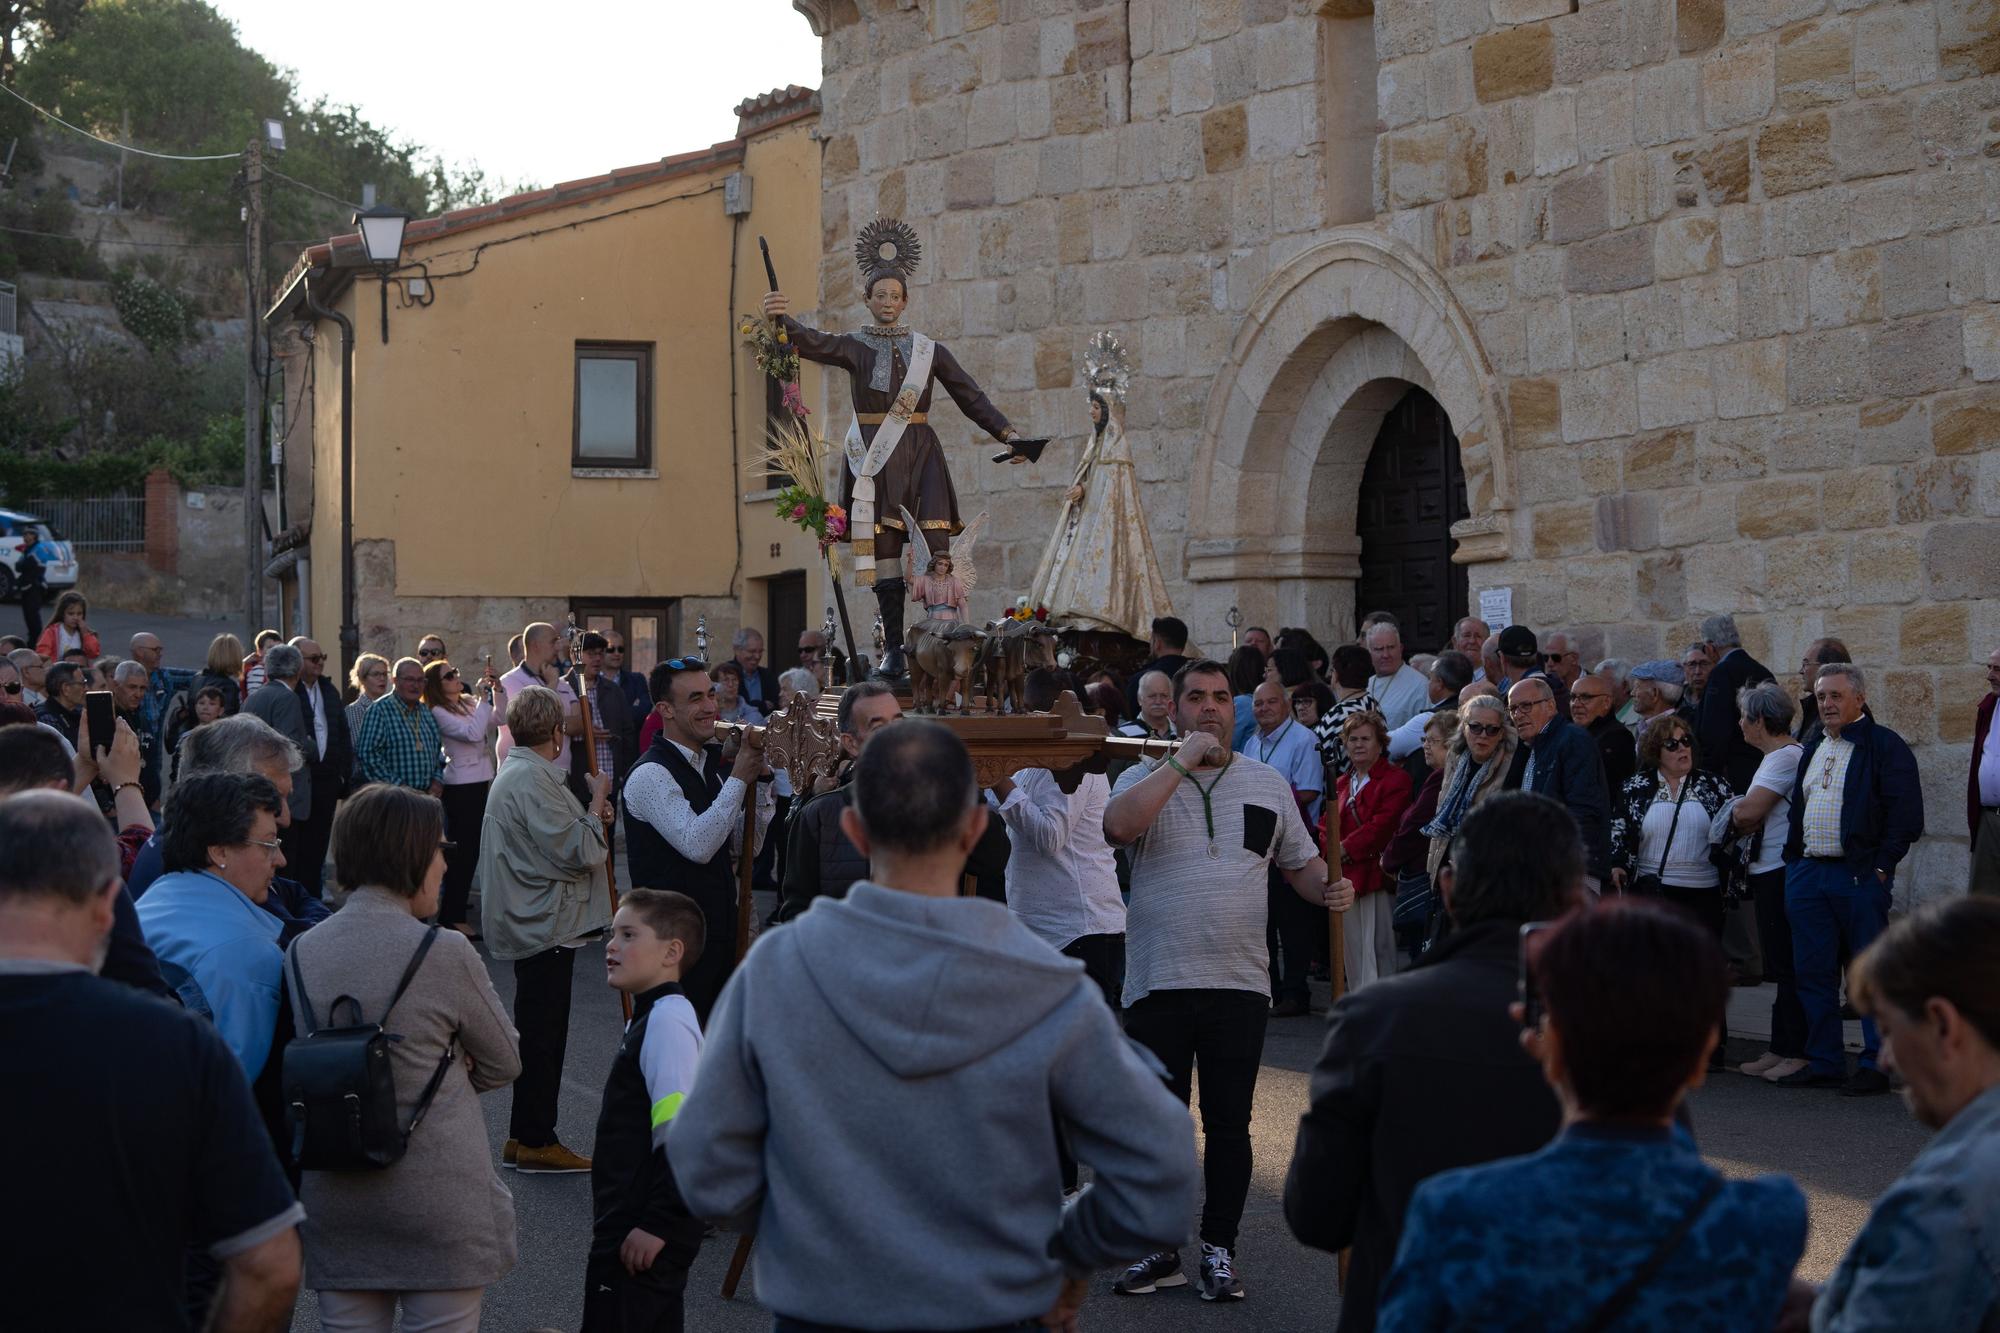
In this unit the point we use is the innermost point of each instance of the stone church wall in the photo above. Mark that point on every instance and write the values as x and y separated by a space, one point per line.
1707 286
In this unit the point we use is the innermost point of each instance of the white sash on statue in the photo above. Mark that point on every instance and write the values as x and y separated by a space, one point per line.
868 460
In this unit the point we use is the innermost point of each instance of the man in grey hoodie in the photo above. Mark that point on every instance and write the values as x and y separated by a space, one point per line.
877 1084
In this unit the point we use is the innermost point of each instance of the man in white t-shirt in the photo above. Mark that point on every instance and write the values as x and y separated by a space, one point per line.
1205 827
1398 688
538 667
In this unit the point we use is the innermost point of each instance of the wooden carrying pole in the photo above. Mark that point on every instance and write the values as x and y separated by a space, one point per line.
745 866
1336 925
589 742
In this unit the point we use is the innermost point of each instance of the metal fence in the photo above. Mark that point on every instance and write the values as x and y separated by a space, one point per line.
100 523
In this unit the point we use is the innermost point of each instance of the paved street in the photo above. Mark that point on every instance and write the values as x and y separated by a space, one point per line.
1842 1153
185 641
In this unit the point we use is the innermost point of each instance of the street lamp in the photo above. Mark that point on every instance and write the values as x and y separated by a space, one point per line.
381 229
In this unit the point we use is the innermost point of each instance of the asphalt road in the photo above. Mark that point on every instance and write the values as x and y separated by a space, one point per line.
1842 1153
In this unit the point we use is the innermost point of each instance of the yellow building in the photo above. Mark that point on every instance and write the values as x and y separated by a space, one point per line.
560 414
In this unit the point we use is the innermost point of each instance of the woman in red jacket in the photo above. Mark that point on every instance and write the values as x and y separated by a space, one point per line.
68 632
1370 799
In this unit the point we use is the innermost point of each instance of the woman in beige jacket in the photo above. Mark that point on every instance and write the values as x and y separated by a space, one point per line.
434 1230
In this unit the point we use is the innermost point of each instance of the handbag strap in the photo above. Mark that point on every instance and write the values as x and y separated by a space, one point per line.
299 984
416 961
1628 1291
1672 828
305 1001
431 1088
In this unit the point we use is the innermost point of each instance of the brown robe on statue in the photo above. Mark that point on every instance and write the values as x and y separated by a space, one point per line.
915 477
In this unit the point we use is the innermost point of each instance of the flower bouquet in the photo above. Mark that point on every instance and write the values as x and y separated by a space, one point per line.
793 449
778 360
1023 610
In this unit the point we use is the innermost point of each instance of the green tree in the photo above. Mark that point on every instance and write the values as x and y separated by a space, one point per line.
179 71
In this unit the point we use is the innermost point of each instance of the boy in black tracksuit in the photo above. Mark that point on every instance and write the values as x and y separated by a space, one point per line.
642 1238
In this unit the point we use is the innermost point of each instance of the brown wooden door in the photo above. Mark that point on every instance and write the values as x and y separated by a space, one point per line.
784 620
651 628
1412 491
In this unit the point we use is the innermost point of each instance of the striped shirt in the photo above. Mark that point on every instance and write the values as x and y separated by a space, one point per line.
1199 902
400 745
1824 786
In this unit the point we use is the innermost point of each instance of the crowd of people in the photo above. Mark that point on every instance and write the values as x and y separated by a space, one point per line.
1546 875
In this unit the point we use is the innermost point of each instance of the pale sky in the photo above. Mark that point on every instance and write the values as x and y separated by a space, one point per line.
535 92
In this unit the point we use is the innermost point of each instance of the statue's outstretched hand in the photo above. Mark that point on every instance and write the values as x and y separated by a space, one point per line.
775 305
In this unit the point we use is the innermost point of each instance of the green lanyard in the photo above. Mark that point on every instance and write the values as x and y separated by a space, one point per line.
1207 804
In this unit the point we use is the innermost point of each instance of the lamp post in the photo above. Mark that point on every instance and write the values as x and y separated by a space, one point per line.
381 229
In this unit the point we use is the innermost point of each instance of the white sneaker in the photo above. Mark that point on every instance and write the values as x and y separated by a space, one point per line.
1761 1065
1784 1069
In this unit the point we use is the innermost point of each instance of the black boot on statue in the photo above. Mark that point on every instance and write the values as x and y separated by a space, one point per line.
890 596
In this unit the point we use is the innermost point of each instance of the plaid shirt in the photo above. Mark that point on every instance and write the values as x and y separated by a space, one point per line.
606 758
1824 785
400 745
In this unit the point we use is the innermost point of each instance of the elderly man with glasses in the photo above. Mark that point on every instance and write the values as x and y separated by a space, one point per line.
1857 809
1558 759
400 742
1591 706
329 763
630 683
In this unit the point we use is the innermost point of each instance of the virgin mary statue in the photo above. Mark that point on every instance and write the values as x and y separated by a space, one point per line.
1098 570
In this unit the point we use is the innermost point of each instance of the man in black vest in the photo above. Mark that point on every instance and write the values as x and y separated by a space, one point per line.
680 813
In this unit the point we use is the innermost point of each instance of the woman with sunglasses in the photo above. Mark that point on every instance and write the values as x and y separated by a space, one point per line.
468 731
1660 824
367 681
1479 756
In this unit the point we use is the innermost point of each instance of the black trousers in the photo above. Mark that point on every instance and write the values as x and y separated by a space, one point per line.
805 1325
615 1301
541 1015
1292 926
1103 958
1774 935
31 609
1704 905
464 815
305 840
1222 1032
704 981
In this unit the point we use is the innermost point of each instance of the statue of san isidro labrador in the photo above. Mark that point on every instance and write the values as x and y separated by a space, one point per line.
892 455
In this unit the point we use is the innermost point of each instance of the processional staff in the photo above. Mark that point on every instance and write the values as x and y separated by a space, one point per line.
589 742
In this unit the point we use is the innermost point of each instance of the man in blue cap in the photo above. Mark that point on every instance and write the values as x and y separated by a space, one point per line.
1657 689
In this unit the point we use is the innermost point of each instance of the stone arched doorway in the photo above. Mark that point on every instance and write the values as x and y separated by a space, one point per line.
1333 342
1412 492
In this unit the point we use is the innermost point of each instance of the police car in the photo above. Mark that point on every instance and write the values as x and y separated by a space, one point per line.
18 532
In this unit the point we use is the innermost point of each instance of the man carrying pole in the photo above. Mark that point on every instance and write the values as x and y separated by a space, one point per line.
681 810
1204 827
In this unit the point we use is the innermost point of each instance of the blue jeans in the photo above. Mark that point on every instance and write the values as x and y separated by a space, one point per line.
1829 905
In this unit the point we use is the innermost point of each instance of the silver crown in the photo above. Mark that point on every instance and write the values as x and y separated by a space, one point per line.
1107 371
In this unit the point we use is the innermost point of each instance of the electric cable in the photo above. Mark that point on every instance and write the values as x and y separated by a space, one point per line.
111 143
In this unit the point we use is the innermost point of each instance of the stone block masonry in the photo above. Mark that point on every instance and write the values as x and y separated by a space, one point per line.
1727 272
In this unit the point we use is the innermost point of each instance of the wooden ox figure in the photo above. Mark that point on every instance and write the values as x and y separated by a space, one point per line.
1013 649
943 655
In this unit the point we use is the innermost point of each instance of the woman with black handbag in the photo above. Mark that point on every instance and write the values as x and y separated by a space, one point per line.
1660 825
1762 817
432 1230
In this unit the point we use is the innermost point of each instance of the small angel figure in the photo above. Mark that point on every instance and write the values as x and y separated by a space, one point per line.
941 588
